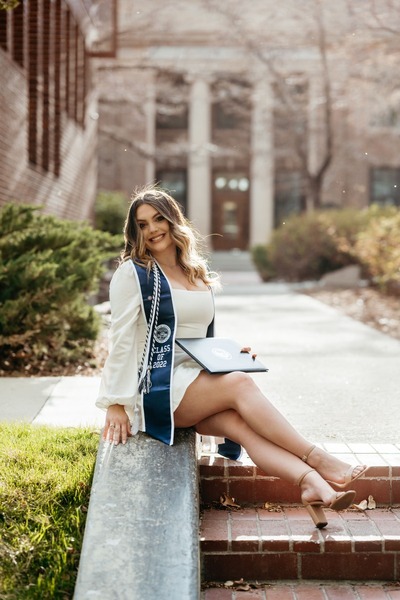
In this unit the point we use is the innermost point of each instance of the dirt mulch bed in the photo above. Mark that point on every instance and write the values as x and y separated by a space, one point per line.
367 305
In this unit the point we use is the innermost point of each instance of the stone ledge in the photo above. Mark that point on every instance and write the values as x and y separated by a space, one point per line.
141 537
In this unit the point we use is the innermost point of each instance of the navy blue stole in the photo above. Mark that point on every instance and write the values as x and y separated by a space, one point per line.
157 401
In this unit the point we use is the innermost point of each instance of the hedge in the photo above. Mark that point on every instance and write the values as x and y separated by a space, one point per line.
48 269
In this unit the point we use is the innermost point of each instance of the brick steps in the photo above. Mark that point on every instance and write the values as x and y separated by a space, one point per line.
332 590
258 544
249 485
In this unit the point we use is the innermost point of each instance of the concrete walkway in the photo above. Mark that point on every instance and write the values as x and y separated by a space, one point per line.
59 401
334 378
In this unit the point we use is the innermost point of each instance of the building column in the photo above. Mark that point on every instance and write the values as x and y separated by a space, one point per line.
151 117
262 164
199 161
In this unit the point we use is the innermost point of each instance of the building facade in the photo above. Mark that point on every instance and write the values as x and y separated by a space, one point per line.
249 112
246 112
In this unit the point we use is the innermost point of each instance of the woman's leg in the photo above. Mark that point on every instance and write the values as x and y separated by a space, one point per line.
272 459
212 394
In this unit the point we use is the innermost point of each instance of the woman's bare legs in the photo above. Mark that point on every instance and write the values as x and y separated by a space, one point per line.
212 394
271 458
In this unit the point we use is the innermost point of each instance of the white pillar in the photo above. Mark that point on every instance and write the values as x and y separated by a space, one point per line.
199 162
262 164
151 116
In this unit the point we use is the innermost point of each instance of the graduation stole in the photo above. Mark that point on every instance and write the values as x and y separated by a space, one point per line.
155 380
155 377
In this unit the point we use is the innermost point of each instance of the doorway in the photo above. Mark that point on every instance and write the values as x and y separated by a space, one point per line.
231 210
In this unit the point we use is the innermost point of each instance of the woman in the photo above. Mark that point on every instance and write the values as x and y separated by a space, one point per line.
173 391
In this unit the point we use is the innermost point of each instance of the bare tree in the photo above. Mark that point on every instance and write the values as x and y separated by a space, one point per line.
378 15
288 102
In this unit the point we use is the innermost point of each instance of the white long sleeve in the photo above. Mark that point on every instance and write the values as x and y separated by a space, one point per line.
120 373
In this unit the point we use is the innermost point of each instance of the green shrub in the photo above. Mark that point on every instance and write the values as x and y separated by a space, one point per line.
378 250
309 245
48 268
110 211
261 260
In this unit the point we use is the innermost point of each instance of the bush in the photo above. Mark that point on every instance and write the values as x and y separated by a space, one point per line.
261 260
110 212
309 245
378 250
48 267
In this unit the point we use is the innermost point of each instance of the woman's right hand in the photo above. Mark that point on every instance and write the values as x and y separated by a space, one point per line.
117 427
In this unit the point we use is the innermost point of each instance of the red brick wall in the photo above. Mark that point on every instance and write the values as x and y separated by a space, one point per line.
72 194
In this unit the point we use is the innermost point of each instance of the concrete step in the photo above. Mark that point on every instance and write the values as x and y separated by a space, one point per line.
318 590
233 260
283 543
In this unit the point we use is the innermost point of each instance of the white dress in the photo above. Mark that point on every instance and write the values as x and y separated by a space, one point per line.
194 312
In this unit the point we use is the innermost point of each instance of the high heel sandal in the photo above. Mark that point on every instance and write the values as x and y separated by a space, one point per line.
348 475
341 501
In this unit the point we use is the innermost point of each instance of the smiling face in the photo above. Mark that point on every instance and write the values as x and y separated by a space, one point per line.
155 230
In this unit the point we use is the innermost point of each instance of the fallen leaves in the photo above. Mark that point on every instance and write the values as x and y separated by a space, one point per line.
369 504
240 585
228 502
271 507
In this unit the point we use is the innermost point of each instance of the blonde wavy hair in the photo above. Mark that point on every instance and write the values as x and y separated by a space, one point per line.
185 237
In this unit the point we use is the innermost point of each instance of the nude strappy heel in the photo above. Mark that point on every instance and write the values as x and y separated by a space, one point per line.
340 501
315 509
348 476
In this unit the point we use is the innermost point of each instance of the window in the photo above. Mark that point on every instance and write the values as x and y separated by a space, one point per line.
174 182
231 102
230 221
172 117
3 29
289 195
385 186
225 117
172 101
18 34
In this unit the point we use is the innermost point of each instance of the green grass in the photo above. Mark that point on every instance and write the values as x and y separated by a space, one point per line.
45 479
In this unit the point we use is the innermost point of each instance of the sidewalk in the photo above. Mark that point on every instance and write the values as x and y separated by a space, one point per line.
336 380
59 401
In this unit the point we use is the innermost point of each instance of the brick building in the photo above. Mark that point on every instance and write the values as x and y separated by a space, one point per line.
239 107
48 119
